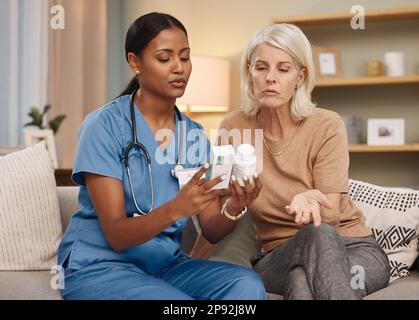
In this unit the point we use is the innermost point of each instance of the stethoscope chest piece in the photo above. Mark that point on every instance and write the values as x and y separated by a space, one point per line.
174 171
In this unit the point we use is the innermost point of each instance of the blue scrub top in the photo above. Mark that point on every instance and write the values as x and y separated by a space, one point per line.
102 139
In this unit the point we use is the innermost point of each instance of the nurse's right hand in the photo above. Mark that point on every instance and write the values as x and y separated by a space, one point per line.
197 195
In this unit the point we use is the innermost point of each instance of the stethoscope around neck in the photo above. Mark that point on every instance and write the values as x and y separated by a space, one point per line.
174 171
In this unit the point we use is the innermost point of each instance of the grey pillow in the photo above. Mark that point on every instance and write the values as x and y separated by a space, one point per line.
239 246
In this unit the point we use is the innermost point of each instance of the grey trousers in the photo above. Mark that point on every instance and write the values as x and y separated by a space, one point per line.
317 263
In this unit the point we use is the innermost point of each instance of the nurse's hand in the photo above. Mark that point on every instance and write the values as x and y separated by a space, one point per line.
197 195
243 196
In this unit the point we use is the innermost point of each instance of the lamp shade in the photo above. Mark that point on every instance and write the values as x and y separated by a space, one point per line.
208 89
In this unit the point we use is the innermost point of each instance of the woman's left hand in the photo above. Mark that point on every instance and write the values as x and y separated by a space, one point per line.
306 207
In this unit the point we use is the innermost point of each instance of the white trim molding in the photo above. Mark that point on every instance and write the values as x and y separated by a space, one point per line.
33 50
13 73
28 71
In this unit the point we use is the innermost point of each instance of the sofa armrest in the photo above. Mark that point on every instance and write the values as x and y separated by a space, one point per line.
68 201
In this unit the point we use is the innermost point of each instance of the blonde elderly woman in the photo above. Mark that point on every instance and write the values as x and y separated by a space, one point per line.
315 244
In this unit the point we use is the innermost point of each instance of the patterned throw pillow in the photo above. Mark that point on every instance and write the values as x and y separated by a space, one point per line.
393 216
30 224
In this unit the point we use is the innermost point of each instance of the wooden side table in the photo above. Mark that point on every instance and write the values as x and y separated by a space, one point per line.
63 178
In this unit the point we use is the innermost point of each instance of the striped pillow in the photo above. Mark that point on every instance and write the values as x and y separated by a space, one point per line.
393 216
30 225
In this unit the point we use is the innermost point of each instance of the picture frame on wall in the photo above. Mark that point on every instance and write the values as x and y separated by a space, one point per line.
327 62
386 132
33 136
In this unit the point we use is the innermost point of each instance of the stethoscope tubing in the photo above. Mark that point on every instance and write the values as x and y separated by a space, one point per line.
135 143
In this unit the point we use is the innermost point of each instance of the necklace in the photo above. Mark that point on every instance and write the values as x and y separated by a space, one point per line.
275 154
269 149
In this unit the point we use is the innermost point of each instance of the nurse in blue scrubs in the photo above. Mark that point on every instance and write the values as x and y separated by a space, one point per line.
112 251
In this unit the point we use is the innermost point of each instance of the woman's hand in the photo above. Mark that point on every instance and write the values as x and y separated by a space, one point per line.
197 195
243 196
306 207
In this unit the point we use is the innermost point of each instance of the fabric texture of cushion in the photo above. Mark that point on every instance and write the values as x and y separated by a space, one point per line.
393 216
239 246
69 204
403 289
27 285
30 225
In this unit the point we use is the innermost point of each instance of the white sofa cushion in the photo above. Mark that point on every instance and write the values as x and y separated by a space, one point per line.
30 225
393 216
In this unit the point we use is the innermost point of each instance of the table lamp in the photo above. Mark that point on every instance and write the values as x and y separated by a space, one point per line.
208 88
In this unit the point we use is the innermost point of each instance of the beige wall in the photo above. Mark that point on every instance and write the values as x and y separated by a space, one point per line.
222 28
77 64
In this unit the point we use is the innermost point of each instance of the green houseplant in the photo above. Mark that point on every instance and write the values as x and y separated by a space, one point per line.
38 119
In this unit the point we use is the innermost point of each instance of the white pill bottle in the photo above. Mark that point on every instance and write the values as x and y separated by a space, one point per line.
244 163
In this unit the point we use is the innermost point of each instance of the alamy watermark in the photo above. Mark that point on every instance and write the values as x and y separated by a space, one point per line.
57 21
58 280
358 280
358 20
195 144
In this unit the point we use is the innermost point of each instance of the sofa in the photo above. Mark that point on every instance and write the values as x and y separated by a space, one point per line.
236 248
